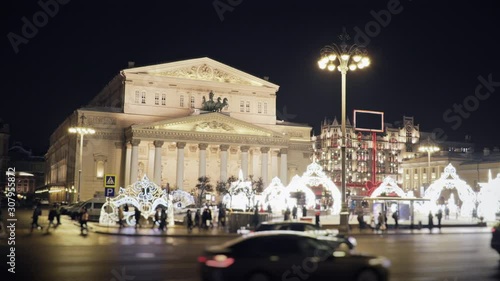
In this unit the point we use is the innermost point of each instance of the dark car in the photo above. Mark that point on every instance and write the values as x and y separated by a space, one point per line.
288 255
495 238
309 228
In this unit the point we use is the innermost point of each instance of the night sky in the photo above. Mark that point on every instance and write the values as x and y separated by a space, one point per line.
428 59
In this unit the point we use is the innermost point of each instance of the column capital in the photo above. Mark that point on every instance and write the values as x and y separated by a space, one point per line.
180 144
244 148
202 146
264 149
283 150
118 144
135 142
224 147
158 143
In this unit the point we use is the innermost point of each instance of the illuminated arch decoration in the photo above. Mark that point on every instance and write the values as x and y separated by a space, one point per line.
489 198
144 195
276 195
181 200
450 180
298 185
388 186
240 195
314 176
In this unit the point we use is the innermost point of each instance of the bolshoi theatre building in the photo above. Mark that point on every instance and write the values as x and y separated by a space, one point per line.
173 123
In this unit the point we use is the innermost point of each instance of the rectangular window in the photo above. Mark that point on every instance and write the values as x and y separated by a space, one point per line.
265 108
137 96
163 99
242 106
157 99
181 103
143 97
247 107
259 107
192 100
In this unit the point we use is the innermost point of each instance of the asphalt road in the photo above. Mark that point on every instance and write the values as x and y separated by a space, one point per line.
65 255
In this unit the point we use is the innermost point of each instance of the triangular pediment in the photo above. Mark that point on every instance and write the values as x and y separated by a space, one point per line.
205 69
213 123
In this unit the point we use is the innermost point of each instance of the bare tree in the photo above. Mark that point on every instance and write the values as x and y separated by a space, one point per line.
203 186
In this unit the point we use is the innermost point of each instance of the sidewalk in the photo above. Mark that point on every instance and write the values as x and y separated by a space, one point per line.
181 231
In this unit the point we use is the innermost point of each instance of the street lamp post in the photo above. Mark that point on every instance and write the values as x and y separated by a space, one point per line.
428 147
343 57
81 131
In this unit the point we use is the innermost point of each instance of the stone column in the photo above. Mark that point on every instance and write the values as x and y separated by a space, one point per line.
180 164
134 162
274 163
244 160
264 160
157 168
202 171
128 156
149 171
284 166
118 162
255 163
223 161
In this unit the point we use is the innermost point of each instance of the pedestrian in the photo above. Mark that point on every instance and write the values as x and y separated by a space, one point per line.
304 211
197 219
439 216
255 219
431 223
287 214
121 217
58 213
222 216
446 213
317 218
269 209
209 218
372 222
156 217
361 220
294 212
52 217
84 218
395 216
204 218
37 211
381 222
163 219
137 216
189 221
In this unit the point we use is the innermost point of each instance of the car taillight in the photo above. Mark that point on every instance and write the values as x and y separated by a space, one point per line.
493 229
219 261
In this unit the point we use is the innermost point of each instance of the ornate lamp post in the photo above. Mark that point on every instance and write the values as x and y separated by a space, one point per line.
343 57
430 148
80 131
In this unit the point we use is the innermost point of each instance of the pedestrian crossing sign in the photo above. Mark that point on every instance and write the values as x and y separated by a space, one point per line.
109 180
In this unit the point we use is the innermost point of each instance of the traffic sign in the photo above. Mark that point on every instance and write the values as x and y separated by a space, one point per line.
109 191
109 180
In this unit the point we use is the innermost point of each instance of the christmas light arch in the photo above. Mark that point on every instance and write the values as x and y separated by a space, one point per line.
489 199
276 195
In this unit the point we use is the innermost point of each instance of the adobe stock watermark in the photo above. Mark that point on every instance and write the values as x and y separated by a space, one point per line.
30 28
284 115
222 6
373 28
458 112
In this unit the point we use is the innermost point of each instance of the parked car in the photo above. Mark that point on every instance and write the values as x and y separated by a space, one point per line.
495 237
94 206
74 210
282 255
308 228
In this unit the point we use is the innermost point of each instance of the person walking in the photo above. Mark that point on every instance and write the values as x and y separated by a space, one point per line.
304 211
439 216
287 214
37 212
204 218
317 219
381 222
58 213
294 212
163 219
395 216
197 219
361 220
222 216
156 217
189 221
52 217
137 216
121 217
255 218
431 223
84 218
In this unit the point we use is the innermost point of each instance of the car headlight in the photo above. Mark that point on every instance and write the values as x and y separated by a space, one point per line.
353 241
380 261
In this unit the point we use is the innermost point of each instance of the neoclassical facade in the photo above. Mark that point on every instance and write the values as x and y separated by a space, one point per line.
151 121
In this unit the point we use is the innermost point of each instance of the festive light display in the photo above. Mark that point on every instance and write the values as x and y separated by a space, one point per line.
489 199
276 195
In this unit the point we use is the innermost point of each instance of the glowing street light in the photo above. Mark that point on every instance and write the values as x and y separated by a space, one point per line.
430 148
343 57
80 131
